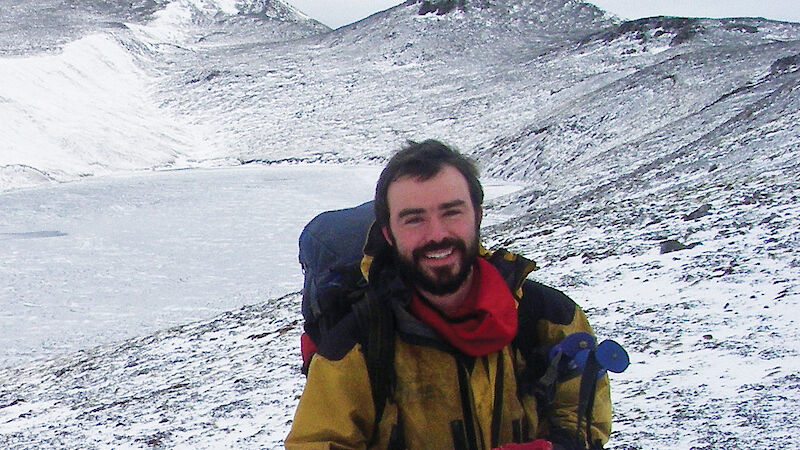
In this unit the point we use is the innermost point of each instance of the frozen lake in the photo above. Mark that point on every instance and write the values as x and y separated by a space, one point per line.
105 259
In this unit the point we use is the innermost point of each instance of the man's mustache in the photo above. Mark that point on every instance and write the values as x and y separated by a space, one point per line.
444 244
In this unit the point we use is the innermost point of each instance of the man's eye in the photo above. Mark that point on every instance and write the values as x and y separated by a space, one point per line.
413 220
452 212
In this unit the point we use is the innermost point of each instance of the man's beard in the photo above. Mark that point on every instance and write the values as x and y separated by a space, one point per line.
443 281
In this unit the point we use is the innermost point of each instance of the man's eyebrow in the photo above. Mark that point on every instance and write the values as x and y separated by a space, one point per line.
409 212
453 204
412 211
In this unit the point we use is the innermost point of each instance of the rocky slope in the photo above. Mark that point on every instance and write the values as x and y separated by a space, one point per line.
660 163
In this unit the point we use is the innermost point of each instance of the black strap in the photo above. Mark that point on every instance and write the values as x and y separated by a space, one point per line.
545 386
586 396
459 435
376 319
497 411
397 440
466 404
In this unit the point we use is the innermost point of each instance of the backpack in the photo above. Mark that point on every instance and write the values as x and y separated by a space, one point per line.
335 294
331 248
336 301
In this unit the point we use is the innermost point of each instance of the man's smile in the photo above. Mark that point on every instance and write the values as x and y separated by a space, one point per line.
440 254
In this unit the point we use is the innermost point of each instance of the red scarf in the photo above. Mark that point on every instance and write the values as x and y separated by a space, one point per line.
486 321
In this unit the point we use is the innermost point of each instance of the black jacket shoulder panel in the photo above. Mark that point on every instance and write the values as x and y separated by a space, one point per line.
544 302
340 339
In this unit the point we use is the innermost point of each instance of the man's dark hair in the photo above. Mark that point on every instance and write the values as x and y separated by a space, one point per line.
424 160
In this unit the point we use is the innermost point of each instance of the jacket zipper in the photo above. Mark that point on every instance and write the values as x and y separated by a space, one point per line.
497 408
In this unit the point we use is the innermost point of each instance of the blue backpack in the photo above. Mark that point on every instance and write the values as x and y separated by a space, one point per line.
331 249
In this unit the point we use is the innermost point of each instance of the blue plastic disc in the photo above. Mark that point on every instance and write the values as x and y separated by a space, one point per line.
580 359
577 342
612 356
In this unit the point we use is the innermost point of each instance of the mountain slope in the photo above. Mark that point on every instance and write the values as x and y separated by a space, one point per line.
494 76
47 25
218 383
659 159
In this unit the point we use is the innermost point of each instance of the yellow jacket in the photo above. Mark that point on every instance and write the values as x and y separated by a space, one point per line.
444 399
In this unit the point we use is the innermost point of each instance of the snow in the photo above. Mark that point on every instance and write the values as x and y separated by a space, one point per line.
62 112
141 255
146 306
168 24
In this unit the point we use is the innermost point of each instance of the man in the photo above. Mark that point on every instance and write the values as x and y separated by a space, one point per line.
458 379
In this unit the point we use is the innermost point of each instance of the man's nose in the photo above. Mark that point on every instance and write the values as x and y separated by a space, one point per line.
437 230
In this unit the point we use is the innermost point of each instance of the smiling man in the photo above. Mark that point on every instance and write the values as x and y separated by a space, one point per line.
433 227
466 329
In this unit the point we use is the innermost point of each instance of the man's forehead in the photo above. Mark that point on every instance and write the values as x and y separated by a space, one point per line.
446 189
448 176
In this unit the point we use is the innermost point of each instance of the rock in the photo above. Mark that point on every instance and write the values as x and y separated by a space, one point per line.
673 245
786 65
769 219
698 213
439 7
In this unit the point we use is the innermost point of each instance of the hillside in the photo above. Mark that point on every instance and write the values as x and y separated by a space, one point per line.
659 159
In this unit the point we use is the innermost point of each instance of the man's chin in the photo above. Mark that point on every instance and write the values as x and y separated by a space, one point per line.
442 284
440 271
435 277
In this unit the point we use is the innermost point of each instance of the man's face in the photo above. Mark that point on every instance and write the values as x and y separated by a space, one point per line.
433 227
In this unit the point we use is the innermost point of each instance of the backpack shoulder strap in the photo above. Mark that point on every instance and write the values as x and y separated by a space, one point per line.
515 269
377 326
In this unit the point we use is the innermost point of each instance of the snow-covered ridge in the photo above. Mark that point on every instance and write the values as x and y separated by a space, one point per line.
660 159
220 85
85 110
87 105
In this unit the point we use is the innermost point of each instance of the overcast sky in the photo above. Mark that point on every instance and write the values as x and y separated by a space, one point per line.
336 13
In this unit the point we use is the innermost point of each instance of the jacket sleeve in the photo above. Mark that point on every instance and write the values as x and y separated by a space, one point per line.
336 410
563 412
557 316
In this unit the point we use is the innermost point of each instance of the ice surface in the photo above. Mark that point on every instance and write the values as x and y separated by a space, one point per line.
105 259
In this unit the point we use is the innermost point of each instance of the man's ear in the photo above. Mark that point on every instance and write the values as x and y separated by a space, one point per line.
387 234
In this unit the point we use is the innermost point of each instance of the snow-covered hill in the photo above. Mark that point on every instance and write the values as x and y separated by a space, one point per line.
223 383
659 158
80 81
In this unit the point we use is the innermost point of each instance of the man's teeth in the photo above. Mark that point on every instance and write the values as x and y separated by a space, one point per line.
439 254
